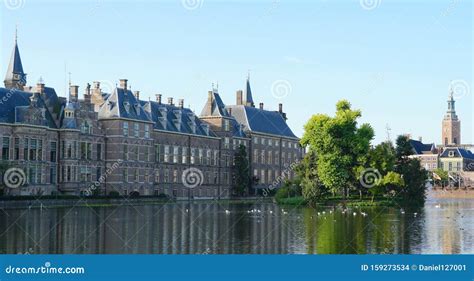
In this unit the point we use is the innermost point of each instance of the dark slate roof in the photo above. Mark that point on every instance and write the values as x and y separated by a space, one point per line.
420 147
14 107
458 152
215 107
261 121
15 65
155 112
248 92
123 104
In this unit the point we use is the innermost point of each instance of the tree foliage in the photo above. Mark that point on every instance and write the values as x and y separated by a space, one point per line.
241 172
341 146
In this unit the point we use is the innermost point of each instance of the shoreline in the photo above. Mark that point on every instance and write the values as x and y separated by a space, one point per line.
113 202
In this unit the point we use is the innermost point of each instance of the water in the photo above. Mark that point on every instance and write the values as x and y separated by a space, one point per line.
441 227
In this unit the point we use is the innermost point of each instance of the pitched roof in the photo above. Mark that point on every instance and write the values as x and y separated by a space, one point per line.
261 121
122 104
214 106
15 66
171 118
15 108
420 147
458 152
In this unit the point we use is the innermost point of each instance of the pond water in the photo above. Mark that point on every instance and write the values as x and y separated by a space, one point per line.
443 226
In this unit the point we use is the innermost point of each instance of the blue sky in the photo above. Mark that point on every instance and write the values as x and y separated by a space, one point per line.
392 59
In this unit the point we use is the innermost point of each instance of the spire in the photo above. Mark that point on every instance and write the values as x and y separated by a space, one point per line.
15 77
247 99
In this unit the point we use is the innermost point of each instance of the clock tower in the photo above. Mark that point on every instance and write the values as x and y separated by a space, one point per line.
451 128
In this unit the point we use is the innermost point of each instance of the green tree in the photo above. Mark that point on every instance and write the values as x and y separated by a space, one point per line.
311 187
414 190
241 172
390 184
341 146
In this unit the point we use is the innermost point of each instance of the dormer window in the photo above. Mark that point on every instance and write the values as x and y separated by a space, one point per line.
451 154
137 108
126 105
86 128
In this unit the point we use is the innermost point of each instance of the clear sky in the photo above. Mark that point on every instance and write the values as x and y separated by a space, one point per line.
394 60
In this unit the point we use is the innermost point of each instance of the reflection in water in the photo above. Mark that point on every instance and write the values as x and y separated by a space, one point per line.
260 228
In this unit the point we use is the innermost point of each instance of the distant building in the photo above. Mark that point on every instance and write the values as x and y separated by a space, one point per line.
451 125
426 153
455 159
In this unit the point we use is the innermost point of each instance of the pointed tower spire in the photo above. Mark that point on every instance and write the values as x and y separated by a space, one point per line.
248 99
15 77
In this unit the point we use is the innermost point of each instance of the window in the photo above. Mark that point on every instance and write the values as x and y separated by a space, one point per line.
208 157
216 157
226 143
25 149
17 149
40 150
167 153
86 128
157 153
137 175
52 153
52 174
167 175
157 176
125 175
270 159
175 154
33 147
125 129
99 151
201 156
147 131
6 148
226 125
125 152
184 154
255 140
270 142
262 176
255 156
175 176
193 155
136 130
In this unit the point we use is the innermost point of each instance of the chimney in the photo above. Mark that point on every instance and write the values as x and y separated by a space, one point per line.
261 105
40 88
181 103
87 93
73 93
170 101
239 95
96 85
230 111
158 98
137 94
123 84
420 139
280 107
